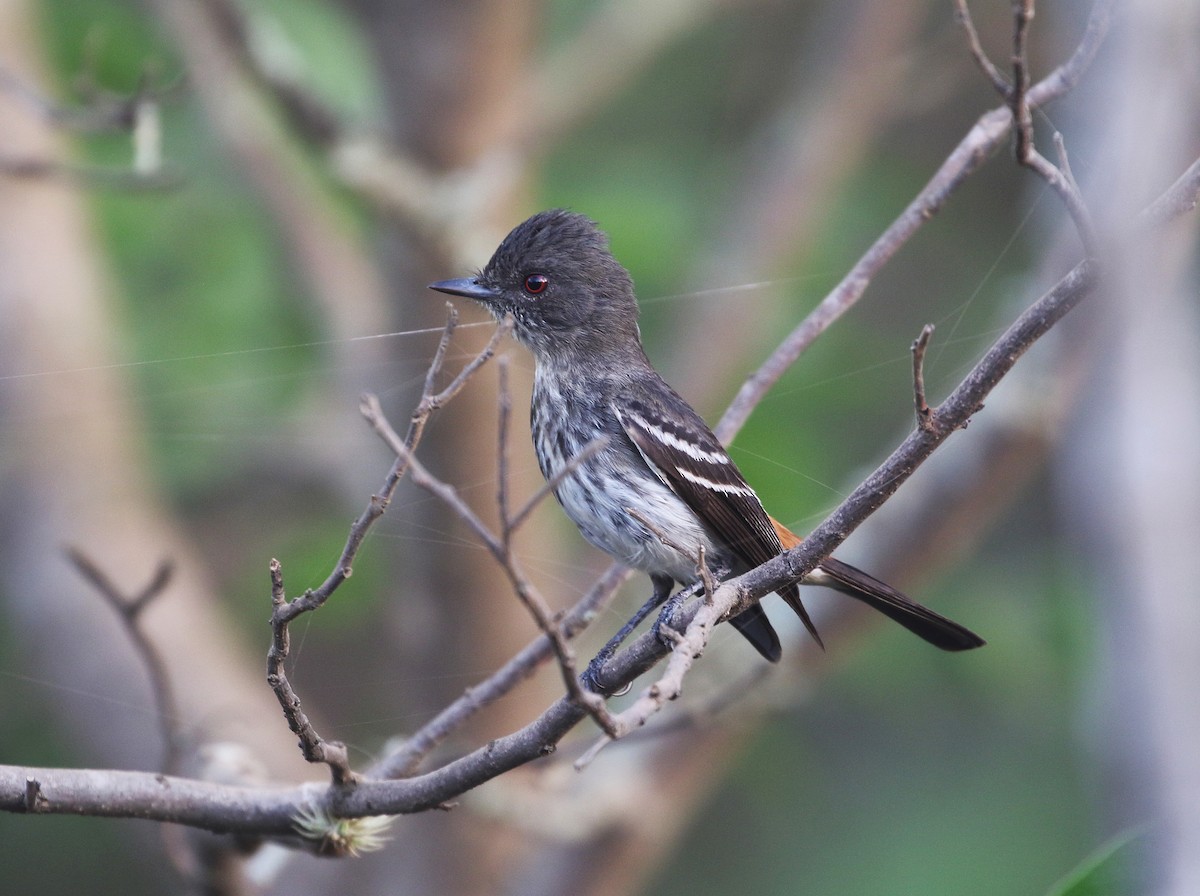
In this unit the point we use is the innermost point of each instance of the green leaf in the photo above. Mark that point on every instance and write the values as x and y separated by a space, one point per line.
1109 871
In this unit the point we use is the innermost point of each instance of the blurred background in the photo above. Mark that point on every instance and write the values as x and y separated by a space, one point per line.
189 314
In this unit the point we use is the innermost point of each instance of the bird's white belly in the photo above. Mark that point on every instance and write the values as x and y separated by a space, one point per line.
608 524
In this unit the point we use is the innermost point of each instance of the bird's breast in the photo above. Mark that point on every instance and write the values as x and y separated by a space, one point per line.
599 493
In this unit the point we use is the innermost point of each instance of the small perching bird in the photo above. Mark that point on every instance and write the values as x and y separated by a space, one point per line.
573 306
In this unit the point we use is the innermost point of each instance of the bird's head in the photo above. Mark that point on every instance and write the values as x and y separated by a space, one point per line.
554 273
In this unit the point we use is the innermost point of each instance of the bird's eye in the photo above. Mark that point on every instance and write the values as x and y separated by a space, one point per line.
536 283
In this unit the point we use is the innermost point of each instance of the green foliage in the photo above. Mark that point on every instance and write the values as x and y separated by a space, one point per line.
315 44
1110 871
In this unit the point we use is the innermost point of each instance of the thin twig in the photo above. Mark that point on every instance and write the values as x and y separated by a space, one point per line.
973 150
550 485
656 530
420 475
503 413
403 761
963 15
314 747
919 347
1018 96
283 611
529 596
129 610
500 547
1061 181
429 402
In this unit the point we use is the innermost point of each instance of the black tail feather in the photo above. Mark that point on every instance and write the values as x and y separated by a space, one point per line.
757 629
921 621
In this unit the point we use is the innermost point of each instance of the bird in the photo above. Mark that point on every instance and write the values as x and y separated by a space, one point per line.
656 486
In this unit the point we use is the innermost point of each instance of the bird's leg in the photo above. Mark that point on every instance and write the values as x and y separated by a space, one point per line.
662 589
666 619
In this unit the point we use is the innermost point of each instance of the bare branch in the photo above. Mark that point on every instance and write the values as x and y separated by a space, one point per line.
1018 95
129 610
421 476
919 347
688 646
500 547
973 150
999 82
259 811
405 760
1027 154
547 488
735 595
264 811
503 413
434 402
428 404
1181 198
314 747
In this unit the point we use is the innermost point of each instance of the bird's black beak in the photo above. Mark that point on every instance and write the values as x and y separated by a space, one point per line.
467 287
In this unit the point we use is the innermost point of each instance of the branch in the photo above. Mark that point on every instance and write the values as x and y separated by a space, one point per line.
312 745
1060 179
129 611
266 811
736 595
238 809
1182 197
500 546
404 761
138 114
963 15
428 404
984 138
919 347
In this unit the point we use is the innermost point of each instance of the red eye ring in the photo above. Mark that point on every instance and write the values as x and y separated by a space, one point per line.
536 283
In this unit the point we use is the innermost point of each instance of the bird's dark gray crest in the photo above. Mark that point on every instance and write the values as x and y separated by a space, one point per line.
567 243
588 302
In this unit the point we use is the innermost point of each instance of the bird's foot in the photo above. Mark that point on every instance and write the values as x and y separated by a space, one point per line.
593 675
668 627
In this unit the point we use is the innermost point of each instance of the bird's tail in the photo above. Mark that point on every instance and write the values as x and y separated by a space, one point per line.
920 620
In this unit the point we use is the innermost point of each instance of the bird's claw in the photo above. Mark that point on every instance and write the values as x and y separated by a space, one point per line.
665 627
591 676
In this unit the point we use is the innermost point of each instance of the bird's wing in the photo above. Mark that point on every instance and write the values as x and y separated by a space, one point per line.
690 460
680 448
